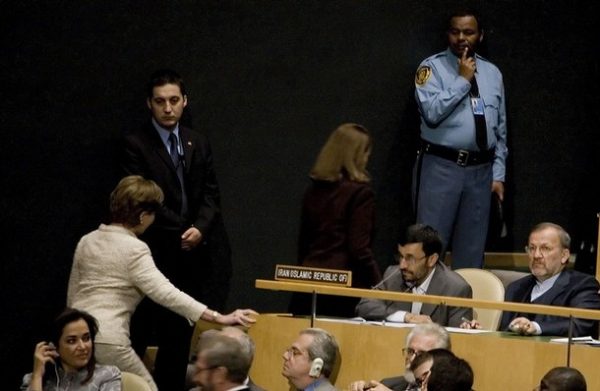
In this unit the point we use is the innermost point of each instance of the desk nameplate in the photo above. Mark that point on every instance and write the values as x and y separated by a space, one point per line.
330 277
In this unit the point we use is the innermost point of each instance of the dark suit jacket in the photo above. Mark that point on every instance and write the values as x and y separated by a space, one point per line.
146 155
253 387
571 289
396 383
444 282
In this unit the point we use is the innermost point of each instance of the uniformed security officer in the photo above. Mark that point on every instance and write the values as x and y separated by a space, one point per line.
460 96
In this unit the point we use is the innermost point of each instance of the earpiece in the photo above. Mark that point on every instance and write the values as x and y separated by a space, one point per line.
316 367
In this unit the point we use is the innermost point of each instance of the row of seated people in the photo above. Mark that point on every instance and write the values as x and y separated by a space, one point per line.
311 358
113 270
420 271
225 356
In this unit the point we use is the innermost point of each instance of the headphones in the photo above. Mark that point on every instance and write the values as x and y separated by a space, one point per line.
316 367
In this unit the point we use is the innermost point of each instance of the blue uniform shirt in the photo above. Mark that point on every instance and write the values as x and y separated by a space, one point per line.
445 106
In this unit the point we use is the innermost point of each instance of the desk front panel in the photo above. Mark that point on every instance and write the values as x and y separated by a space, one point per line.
500 361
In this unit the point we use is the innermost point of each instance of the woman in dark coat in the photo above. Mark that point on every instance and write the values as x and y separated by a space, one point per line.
337 220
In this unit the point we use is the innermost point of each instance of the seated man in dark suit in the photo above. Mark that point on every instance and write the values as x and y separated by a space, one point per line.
248 349
422 338
222 363
551 284
419 271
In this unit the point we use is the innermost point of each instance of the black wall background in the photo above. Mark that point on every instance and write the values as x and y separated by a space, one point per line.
268 81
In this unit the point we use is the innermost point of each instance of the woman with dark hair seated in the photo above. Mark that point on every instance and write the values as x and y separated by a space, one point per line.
113 270
71 355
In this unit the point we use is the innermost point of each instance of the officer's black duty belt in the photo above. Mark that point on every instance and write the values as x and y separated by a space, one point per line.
462 157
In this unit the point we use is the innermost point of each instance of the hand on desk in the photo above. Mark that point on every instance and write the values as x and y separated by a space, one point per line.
372 385
470 324
416 318
523 326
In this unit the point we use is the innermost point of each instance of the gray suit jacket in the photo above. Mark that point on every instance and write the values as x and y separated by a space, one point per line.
444 282
323 385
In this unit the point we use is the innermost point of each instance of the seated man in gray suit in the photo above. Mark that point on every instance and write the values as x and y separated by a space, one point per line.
419 271
308 363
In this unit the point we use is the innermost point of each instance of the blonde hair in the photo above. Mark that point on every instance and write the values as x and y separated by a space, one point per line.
132 196
345 154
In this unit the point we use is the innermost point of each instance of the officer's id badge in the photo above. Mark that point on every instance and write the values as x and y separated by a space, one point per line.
477 106
422 75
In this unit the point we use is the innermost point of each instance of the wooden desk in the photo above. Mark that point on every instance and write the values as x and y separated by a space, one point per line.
500 361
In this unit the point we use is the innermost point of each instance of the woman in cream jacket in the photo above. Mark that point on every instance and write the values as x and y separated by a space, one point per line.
113 270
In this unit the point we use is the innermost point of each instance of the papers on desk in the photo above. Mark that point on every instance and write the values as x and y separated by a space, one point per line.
359 320
467 331
578 340
345 320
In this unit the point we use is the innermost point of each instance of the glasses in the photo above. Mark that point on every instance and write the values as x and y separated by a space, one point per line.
544 250
408 258
411 352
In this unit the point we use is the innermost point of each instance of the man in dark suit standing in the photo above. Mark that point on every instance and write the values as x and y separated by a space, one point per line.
420 271
550 283
188 239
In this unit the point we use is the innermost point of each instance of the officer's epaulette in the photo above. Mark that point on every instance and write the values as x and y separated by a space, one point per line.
440 54
480 57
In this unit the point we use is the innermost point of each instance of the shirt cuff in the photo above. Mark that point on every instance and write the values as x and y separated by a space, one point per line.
538 329
397 316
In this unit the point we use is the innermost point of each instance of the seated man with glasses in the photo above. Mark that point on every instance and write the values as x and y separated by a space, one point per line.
308 363
421 271
550 283
222 364
422 338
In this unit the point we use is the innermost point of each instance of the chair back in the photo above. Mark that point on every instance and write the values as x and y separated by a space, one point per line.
486 286
133 382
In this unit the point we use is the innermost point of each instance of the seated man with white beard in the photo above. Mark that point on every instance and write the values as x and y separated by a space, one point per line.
422 338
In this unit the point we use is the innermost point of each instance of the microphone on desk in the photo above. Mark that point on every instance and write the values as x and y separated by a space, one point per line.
387 278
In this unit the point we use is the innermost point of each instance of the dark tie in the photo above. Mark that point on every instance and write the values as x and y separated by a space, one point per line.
173 149
177 162
480 126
